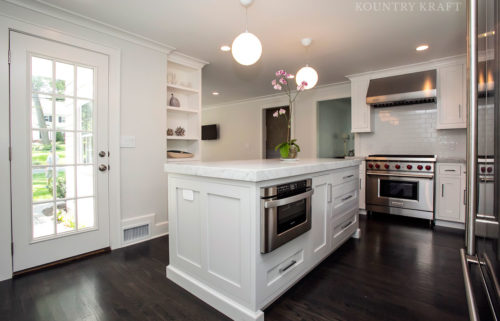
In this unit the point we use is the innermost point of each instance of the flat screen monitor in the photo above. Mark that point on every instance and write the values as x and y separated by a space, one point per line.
209 132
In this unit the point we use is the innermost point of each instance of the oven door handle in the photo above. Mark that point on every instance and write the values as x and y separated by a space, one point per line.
429 176
288 200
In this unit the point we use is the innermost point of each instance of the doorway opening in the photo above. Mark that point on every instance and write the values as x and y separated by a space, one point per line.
335 139
274 131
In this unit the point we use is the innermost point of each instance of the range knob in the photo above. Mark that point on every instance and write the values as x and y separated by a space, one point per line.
428 167
398 166
377 166
409 166
370 165
490 169
483 169
386 166
420 167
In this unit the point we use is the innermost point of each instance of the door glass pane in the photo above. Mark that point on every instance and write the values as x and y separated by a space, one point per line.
85 82
43 184
41 147
43 219
41 111
84 115
41 75
65 79
65 115
65 147
66 183
399 189
85 148
66 216
86 212
85 181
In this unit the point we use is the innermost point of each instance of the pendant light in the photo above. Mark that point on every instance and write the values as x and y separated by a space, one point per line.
306 73
246 48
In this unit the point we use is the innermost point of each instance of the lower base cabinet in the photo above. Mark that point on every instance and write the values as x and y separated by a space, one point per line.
450 192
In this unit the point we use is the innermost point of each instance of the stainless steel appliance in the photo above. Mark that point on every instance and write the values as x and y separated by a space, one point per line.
401 185
285 213
486 220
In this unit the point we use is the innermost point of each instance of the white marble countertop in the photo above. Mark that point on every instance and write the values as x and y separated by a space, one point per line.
452 160
259 169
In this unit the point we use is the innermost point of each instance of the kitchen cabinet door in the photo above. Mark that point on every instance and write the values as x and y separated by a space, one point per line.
449 198
321 207
451 107
360 111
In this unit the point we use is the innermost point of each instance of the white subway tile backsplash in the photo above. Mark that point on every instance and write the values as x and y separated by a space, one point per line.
411 130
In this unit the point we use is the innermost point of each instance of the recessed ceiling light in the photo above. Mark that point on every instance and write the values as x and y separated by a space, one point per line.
215 93
422 47
225 48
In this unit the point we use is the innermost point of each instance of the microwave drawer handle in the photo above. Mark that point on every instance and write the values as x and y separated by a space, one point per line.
288 200
283 269
430 176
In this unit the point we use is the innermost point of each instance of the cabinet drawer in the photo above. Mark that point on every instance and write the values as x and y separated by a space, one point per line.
345 223
287 266
449 169
345 176
345 197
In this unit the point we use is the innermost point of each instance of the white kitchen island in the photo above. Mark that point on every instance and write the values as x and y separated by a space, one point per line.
214 212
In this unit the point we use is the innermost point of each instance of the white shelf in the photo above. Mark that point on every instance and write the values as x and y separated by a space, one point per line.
191 159
183 88
181 138
182 109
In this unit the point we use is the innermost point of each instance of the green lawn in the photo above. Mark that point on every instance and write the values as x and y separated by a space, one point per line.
40 186
40 153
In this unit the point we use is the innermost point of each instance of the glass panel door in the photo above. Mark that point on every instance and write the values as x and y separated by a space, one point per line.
62 117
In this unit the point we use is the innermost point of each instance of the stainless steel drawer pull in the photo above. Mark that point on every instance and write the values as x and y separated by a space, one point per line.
450 170
348 176
287 267
442 190
346 198
346 225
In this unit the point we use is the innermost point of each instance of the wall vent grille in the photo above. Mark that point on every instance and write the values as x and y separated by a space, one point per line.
135 233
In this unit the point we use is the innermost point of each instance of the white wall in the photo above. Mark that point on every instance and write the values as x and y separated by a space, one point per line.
240 123
410 130
142 114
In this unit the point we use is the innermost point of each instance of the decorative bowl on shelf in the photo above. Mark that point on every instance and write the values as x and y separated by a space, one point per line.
178 154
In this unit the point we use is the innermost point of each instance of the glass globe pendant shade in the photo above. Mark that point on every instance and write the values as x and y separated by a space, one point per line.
246 49
307 74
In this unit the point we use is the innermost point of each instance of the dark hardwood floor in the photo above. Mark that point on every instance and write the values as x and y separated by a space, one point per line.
399 270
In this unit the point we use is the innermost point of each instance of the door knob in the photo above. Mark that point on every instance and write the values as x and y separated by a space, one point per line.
103 167
102 153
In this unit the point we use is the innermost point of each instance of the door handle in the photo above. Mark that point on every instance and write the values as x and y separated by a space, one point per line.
459 110
288 266
346 198
102 153
442 190
465 197
348 176
103 167
330 187
288 200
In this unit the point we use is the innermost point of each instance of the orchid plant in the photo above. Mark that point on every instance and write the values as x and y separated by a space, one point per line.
280 82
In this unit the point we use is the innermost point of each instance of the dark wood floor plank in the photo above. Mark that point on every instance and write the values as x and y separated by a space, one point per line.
399 270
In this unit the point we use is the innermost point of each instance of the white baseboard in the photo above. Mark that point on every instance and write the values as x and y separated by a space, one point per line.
455 225
155 229
213 298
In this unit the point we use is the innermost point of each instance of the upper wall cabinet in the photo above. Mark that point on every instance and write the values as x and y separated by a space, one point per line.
451 109
360 111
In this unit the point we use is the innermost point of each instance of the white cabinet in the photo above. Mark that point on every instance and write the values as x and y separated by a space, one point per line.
321 208
362 188
451 106
360 112
450 187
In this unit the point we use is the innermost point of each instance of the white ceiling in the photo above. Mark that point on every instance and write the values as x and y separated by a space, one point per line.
345 41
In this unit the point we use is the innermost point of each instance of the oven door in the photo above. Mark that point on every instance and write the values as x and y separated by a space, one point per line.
284 219
407 191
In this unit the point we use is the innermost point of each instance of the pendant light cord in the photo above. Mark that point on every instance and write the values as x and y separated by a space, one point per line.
246 19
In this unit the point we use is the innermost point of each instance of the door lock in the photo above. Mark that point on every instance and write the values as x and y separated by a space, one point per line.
102 153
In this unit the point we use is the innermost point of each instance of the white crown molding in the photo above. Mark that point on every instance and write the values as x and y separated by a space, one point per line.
183 59
57 12
410 68
276 96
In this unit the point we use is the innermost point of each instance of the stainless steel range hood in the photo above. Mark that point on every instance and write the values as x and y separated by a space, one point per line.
408 89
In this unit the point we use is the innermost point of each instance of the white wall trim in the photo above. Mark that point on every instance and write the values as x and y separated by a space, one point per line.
155 229
183 59
54 11
279 96
435 63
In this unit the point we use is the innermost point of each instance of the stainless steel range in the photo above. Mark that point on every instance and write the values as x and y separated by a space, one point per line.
401 185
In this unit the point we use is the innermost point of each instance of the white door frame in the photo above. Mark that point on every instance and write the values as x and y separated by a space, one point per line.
114 54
